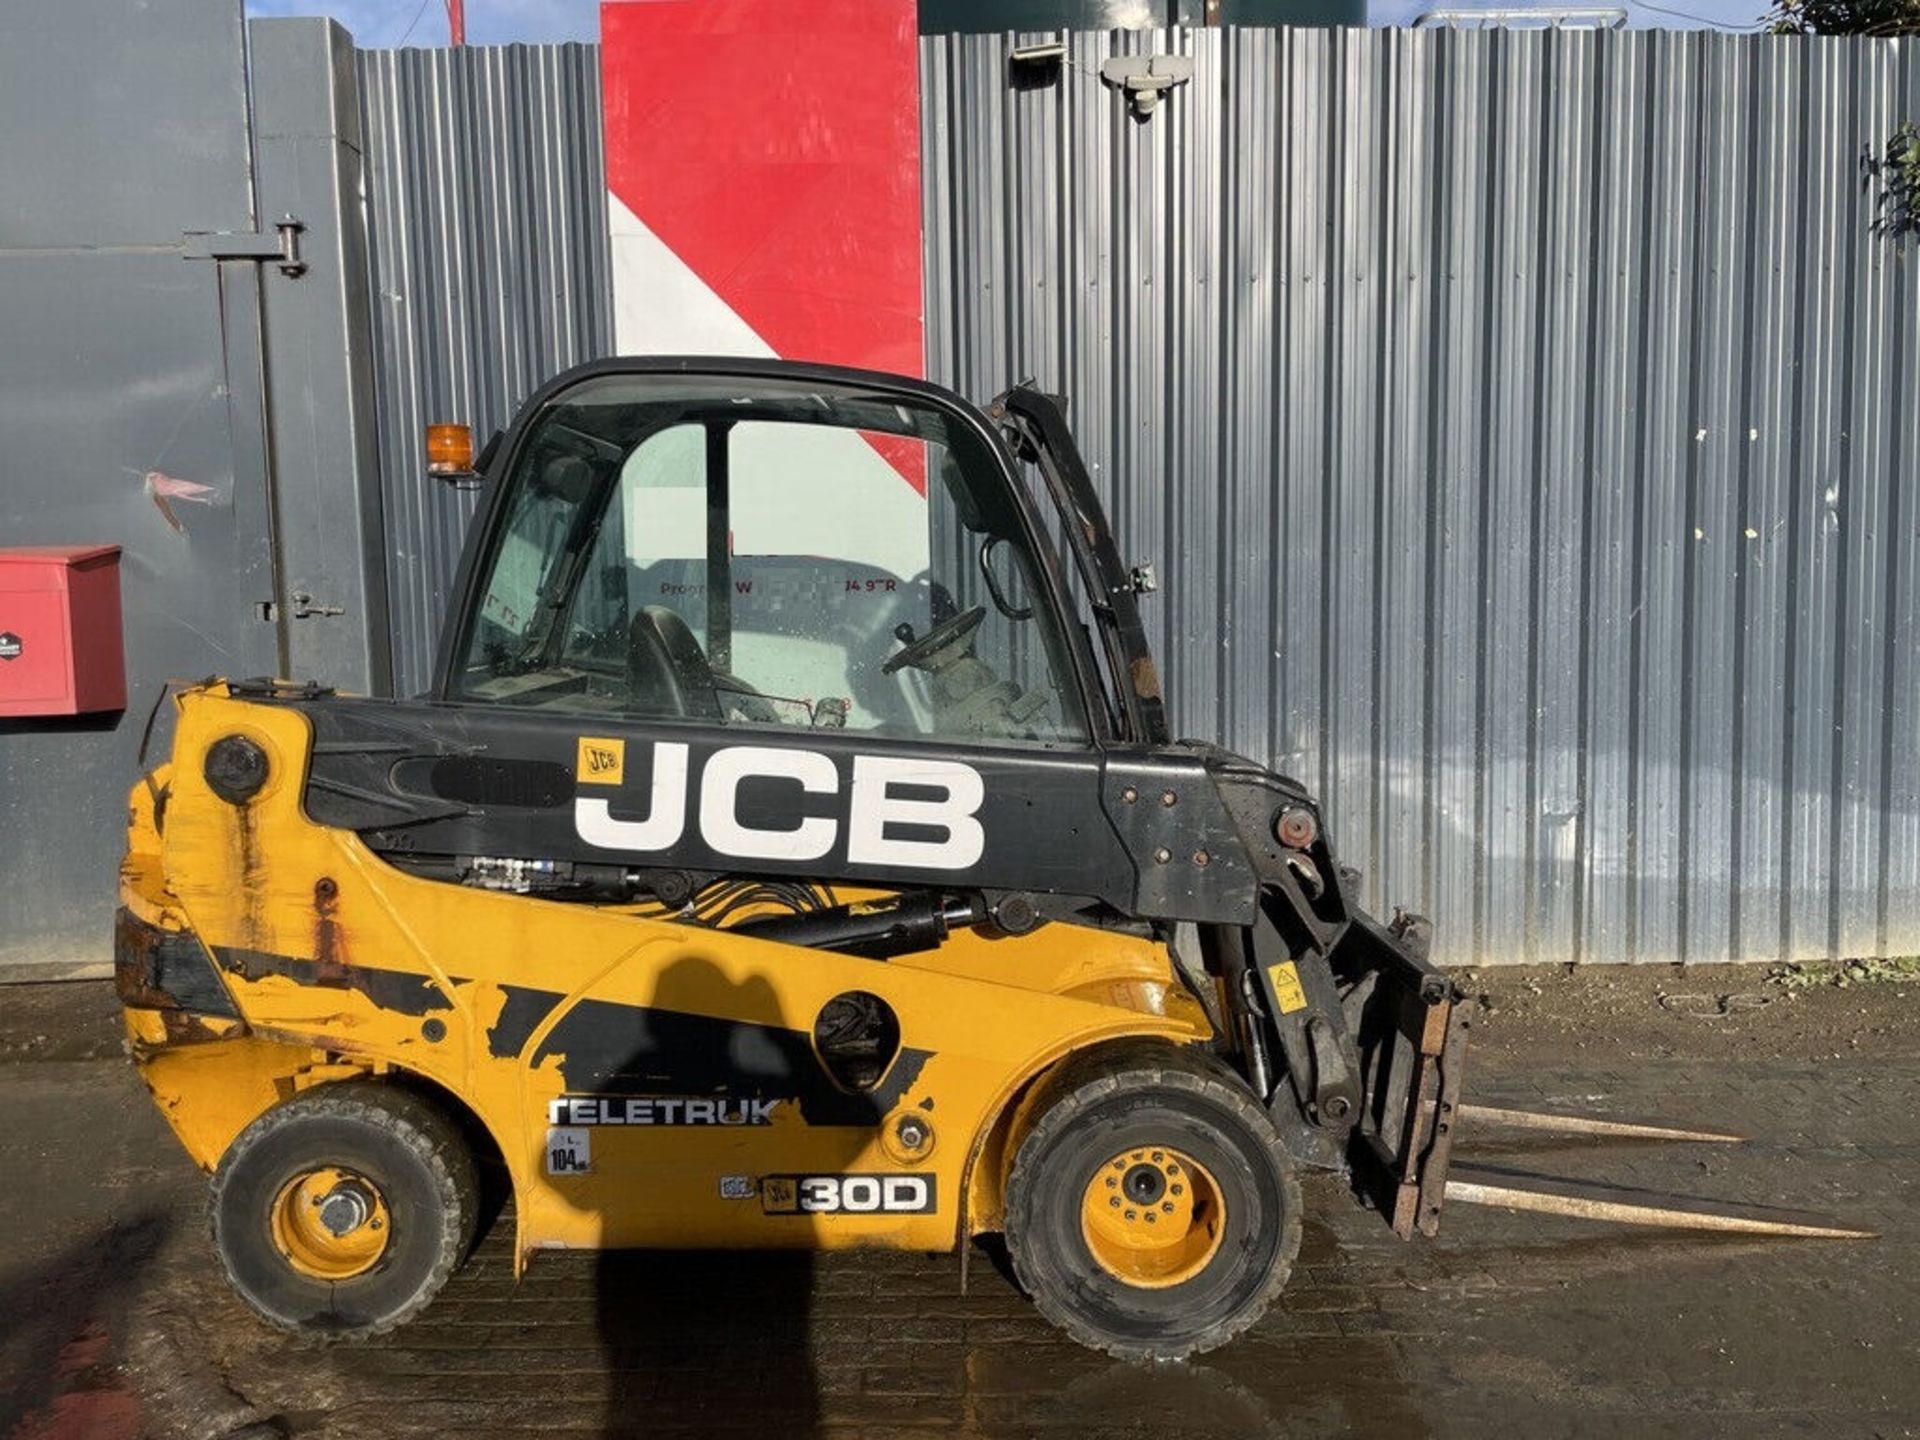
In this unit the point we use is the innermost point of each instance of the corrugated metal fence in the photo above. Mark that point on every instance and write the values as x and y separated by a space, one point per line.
487 213
1523 426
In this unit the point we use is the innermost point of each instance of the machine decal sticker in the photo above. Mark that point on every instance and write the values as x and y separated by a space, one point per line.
1286 986
569 1152
917 813
608 1053
601 762
847 1194
657 1110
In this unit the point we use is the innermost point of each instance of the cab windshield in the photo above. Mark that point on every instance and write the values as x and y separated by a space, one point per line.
766 551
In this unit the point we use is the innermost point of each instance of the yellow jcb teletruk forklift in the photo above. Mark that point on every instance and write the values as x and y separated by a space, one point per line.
791 850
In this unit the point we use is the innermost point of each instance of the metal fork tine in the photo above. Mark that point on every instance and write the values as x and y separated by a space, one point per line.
1477 1185
1589 1125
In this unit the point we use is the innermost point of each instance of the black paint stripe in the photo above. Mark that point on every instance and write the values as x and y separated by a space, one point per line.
401 991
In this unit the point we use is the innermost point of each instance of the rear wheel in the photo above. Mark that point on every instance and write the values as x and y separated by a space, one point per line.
1151 1212
344 1210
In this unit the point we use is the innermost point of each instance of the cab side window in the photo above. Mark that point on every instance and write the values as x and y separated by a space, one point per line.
767 572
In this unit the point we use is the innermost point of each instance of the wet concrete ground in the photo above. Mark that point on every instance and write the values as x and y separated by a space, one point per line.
114 1321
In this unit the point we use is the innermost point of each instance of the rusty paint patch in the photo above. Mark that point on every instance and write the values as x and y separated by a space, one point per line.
180 1027
1146 679
168 970
247 854
333 965
187 1029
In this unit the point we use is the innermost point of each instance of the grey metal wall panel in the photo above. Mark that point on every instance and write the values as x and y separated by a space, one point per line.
133 110
328 526
487 219
125 369
1521 424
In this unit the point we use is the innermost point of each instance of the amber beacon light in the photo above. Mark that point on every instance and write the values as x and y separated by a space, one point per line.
449 450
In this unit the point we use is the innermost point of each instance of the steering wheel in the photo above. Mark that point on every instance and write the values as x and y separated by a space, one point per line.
948 632
667 672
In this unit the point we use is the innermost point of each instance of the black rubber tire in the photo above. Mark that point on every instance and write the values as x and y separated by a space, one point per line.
1142 1096
405 1146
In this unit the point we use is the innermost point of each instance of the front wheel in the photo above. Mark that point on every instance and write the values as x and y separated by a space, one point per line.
1151 1212
343 1211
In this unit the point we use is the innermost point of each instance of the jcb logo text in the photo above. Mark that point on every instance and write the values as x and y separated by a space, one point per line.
940 812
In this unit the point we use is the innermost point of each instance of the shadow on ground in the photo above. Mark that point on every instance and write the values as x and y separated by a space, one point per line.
711 1343
682 1334
62 1326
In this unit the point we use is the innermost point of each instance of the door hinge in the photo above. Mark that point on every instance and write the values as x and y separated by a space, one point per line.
305 607
281 245
300 606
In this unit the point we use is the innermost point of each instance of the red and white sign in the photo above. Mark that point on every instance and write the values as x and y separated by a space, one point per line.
763 164
763 175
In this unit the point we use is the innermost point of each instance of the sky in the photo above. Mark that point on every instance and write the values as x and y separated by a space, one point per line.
378 24
382 24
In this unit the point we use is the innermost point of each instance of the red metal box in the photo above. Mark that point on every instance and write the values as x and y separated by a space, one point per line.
60 649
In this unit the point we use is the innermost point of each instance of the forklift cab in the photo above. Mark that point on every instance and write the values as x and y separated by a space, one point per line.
798 552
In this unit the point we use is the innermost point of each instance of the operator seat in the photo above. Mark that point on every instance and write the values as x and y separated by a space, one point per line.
666 669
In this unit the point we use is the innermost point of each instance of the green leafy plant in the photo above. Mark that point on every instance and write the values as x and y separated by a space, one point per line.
1896 170
1895 167
1845 17
1900 970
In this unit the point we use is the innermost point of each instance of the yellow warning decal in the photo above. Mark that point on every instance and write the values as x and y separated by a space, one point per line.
1286 986
601 762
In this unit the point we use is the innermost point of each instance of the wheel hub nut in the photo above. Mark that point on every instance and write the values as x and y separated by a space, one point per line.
344 1209
1144 1184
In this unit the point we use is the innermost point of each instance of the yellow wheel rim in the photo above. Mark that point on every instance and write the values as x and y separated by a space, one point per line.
1152 1217
331 1224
